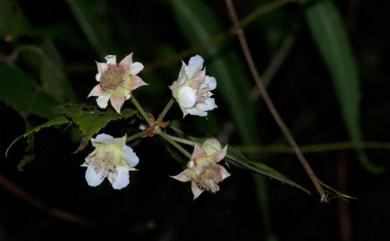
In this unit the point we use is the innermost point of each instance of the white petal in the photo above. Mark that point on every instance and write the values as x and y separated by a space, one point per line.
186 97
182 74
96 91
196 190
208 104
131 158
103 138
194 66
224 173
122 178
89 157
102 101
136 67
111 59
93 178
117 102
101 67
183 176
98 76
195 111
210 82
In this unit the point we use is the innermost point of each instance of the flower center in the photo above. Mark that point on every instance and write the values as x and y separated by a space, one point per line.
112 78
107 158
209 178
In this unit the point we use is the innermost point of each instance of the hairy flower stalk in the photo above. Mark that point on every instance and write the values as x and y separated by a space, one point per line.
116 81
203 169
113 159
192 89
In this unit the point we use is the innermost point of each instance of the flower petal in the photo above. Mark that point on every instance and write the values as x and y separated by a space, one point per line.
196 190
98 76
101 67
121 178
127 61
210 82
136 82
111 59
96 91
223 172
131 158
182 74
183 176
206 105
103 138
220 155
198 152
102 101
187 97
93 178
194 66
195 111
117 102
136 67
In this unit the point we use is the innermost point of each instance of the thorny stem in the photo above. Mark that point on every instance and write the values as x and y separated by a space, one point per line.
170 140
141 110
165 110
260 85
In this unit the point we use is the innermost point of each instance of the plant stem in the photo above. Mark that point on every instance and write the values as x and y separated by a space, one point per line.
141 110
174 143
136 136
264 93
165 110
182 140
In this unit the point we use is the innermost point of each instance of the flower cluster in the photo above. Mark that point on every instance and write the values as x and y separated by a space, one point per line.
113 159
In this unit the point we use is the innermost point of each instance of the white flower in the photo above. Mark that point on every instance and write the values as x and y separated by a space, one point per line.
112 159
116 81
203 169
192 89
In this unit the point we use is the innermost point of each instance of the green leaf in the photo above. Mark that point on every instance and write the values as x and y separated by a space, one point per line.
225 65
91 120
13 23
20 92
328 31
53 77
53 122
93 22
236 158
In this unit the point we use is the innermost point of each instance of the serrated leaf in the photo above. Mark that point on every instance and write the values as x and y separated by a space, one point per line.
91 120
53 122
236 158
225 65
20 92
328 31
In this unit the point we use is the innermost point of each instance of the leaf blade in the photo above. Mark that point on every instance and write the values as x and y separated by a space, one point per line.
327 30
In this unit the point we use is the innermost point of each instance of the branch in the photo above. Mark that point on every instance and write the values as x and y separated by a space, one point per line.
318 184
55 212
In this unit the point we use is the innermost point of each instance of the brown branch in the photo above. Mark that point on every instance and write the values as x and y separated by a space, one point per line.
55 212
264 93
